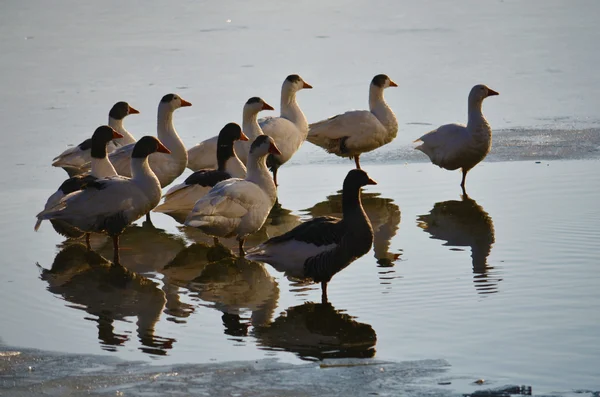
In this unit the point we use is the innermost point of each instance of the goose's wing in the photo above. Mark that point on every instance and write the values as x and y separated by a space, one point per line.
348 132
203 155
121 159
75 157
445 144
320 231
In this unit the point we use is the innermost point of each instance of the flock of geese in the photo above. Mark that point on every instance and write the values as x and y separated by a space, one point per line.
115 180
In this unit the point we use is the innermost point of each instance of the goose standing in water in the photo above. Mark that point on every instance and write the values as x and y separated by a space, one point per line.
239 207
288 131
199 158
181 198
358 131
101 168
110 204
454 146
75 160
166 167
321 247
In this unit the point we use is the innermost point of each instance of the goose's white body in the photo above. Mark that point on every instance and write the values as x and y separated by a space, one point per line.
237 207
127 199
77 160
454 146
357 131
183 196
289 131
167 167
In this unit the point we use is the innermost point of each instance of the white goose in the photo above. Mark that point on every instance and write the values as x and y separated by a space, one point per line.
289 130
75 160
239 207
110 204
101 168
358 131
321 247
454 146
180 199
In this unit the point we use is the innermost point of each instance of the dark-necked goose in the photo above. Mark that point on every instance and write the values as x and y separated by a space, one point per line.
75 160
454 146
321 247
288 131
181 198
358 131
101 168
110 204
239 207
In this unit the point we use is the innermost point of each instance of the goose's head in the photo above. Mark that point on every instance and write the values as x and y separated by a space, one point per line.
294 83
104 134
255 105
263 145
146 146
120 110
230 133
173 102
480 92
356 179
382 81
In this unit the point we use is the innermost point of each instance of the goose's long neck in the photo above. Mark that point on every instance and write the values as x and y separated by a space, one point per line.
250 124
351 203
224 153
382 111
291 111
258 173
101 165
143 176
477 124
168 135
118 126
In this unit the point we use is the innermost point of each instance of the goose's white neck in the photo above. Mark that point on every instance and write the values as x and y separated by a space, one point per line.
477 124
291 111
258 173
102 167
234 167
168 135
250 124
143 176
382 111
118 126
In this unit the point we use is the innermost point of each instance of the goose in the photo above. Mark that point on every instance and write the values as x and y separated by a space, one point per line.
239 207
288 131
454 146
321 247
182 197
74 160
199 157
110 204
101 168
358 131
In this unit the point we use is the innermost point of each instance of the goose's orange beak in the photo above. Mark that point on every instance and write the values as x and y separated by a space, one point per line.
243 136
133 111
306 85
371 182
392 84
116 135
185 103
273 149
266 106
162 148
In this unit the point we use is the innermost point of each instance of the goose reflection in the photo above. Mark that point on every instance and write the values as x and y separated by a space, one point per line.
465 224
318 331
216 276
111 293
383 213
144 248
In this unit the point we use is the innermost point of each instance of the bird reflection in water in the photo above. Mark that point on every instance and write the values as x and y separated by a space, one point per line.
465 224
110 293
383 213
219 279
316 331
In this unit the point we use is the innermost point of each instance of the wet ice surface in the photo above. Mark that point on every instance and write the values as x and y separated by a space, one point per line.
500 285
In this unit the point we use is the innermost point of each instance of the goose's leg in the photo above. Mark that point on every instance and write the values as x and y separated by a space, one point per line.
242 252
116 249
216 240
87 242
148 218
464 178
357 161
323 292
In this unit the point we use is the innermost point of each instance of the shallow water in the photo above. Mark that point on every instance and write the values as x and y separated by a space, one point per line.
501 284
